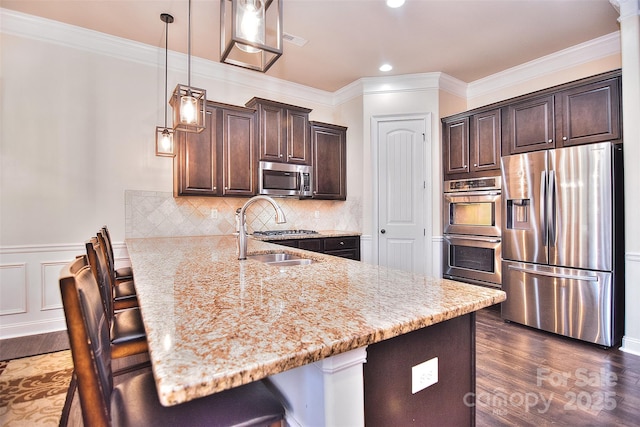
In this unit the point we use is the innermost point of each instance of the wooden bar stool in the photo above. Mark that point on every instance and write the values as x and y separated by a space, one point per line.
134 402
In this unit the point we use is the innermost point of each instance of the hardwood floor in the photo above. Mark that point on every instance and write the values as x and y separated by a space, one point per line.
525 377
32 345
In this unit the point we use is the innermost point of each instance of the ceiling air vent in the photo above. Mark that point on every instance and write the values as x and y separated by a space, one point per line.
298 41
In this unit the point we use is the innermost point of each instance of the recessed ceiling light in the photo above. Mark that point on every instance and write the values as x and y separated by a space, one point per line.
385 67
395 3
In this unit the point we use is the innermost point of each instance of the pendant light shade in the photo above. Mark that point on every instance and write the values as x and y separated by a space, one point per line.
251 33
188 102
164 135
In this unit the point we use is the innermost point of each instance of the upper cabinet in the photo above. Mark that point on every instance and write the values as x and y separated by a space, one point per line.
589 113
219 161
455 140
531 125
472 144
582 112
329 146
283 132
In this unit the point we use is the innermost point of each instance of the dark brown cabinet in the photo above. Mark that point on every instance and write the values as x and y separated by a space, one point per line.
239 170
486 141
195 166
531 125
344 246
583 112
589 113
472 144
329 148
219 161
283 132
455 136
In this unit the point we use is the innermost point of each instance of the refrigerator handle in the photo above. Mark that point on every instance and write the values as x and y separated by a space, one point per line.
553 238
583 277
543 207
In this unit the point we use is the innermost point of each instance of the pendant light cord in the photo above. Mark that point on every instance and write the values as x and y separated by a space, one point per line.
166 65
189 50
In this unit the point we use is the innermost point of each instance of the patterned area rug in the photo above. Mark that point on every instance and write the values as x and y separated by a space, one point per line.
33 389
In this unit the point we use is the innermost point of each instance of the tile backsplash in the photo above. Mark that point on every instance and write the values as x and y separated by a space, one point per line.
159 214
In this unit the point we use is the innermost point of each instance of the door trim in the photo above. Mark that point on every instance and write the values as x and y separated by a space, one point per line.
375 174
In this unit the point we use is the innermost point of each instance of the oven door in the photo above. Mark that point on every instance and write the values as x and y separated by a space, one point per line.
475 213
473 259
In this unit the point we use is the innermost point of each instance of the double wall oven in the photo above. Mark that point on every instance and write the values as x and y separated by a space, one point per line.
472 236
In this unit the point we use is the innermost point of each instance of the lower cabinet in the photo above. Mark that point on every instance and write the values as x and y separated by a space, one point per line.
345 247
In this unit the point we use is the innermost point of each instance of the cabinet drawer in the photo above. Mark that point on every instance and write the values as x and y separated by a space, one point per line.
314 245
347 253
339 243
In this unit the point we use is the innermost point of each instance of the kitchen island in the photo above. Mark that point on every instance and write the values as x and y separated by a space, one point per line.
214 322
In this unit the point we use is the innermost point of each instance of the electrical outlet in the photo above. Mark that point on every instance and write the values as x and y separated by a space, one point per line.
424 375
316 214
214 213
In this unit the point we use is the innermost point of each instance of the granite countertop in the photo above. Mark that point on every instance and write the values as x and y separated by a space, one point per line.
320 234
214 322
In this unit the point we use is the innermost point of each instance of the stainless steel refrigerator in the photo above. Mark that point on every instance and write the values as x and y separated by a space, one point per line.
563 241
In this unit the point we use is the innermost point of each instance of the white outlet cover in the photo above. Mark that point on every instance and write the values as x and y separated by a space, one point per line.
424 375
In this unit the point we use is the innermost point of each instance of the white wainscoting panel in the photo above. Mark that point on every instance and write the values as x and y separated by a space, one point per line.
13 289
29 292
631 339
50 291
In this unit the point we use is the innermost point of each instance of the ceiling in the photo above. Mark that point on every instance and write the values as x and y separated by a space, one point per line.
350 39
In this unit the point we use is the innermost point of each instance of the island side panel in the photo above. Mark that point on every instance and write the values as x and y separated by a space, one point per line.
387 377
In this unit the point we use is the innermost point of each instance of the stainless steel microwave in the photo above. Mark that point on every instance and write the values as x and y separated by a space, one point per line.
284 179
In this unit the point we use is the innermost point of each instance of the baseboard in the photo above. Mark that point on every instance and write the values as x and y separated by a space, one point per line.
15 330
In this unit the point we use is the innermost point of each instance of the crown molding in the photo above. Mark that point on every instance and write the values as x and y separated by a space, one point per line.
402 83
37 28
50 31
626 8
564 59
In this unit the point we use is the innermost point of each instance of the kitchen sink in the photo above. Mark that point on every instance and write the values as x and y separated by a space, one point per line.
281 259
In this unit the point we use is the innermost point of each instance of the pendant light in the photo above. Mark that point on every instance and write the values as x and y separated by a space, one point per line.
188 102
251 33
164 135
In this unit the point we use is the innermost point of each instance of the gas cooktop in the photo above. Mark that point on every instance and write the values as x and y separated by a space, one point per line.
283 232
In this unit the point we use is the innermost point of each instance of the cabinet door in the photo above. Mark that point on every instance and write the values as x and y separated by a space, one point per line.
298 142
272 122
195 165
486 141
239 164
456 146
531 125
589 113
329 146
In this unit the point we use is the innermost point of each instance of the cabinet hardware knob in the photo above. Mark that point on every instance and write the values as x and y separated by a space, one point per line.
383 231
280 155
550 141
564 138
226 188
342 243
475 165
290 156
215 188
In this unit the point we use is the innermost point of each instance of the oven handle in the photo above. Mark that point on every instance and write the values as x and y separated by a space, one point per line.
476 238
472 193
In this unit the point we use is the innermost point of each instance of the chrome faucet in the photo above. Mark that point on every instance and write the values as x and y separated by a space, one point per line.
241 221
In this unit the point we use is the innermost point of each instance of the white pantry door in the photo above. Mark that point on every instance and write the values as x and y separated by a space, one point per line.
401 193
